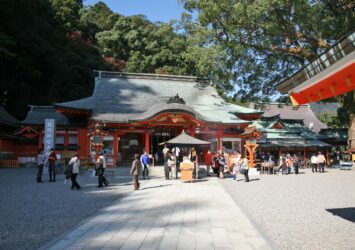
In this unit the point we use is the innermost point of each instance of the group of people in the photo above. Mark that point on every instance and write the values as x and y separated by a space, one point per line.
42 161
218 163
288 163
318 162
72 170
139 163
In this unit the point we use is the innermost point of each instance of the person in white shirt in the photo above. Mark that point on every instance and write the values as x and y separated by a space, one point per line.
75 161
41 162
100 168
314 159
321 162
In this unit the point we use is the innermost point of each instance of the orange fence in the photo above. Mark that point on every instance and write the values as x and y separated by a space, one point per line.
9 164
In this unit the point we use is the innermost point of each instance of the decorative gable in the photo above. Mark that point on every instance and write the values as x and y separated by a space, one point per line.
27 132
278 125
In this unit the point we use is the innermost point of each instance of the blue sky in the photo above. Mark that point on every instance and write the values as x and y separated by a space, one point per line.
155 10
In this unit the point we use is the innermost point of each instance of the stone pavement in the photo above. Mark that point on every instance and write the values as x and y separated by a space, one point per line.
168 215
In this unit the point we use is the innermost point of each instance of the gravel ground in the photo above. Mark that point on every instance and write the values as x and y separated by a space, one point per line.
34 213
305 211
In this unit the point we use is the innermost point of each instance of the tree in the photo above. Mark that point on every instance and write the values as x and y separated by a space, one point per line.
146 47
66 12
40 63
266 40
95 19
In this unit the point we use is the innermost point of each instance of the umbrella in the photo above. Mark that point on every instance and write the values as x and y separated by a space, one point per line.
184 140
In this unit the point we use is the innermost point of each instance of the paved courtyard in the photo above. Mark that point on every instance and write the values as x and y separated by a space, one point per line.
33 214
168 215
305 211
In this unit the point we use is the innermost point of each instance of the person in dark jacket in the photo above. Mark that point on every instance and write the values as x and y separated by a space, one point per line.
296 164
167 157
51 165
75 161
135 171
101 166
42 161
221 164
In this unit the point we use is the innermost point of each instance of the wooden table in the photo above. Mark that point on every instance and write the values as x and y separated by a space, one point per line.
267 166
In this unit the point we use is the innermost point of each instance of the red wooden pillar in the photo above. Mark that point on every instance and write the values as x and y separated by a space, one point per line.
66 138
83 143
305 156
327 158
40 140
192 131
115 147
242 148
147 142
219 139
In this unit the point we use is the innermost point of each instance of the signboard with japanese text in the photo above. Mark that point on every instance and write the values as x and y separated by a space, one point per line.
49 135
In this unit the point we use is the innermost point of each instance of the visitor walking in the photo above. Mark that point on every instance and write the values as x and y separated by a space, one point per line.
245 168
221 164
208 161
314 163
100 170
167 157
321 162
295 163
51 165
145 161
193 159
235 170
135 171
75 161
177 153
41 162
283 164
172 166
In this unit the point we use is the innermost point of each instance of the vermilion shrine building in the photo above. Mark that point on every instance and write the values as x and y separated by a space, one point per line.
139 111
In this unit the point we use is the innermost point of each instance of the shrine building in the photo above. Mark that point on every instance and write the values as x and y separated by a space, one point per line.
137 112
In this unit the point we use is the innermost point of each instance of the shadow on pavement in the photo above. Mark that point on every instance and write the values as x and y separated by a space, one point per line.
347 213
159 186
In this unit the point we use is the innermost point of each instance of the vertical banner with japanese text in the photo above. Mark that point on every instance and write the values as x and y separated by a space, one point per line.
49 135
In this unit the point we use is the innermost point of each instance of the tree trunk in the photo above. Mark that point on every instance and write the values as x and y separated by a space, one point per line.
352 131
350 106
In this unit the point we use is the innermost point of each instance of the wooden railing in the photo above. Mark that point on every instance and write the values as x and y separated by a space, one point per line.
9 164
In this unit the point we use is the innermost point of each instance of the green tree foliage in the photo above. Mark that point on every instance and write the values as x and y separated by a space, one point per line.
146 47
266 40
95 19
39 62
66 12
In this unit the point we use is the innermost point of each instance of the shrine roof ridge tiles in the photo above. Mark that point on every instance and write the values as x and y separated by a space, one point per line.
135 97
288 112
7 118
38 114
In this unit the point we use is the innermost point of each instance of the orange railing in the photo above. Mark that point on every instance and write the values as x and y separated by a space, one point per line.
9 164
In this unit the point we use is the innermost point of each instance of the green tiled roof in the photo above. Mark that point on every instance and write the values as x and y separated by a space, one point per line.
293 133
120 97
7 118
38 114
